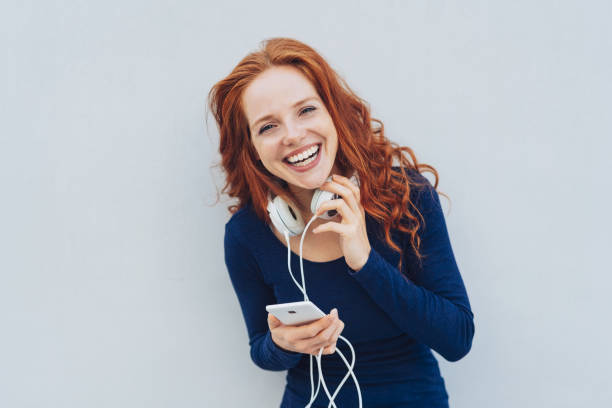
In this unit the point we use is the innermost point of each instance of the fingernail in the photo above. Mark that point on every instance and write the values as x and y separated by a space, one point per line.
335 311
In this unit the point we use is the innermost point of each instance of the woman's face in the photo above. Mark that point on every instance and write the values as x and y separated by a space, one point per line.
288 123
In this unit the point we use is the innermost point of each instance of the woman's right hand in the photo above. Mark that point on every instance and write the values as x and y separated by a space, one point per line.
308 338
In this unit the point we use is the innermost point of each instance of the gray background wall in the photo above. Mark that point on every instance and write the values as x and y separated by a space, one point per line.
113 288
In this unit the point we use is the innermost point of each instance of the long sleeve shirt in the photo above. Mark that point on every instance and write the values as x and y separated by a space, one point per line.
392 318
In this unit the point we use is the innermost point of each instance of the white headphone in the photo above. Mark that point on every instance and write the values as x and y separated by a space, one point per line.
290 223
286 219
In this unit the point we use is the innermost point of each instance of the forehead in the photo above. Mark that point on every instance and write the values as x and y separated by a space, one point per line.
274 90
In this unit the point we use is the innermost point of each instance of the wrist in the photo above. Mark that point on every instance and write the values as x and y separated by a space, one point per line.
361 264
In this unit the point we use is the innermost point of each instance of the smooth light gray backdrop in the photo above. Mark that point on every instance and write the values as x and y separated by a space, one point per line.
113 287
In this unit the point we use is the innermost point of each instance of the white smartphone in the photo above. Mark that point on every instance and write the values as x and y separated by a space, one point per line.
296 313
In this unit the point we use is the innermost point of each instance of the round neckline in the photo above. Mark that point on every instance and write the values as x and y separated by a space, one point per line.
284 247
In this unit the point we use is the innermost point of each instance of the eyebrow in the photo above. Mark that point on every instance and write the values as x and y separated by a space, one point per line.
271 116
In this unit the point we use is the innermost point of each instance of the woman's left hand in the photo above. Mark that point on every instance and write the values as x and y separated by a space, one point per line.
353 237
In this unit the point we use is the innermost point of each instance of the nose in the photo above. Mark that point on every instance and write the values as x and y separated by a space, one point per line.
295 133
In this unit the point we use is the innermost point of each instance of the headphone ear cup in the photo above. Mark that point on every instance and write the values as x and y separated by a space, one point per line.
321 196
284 218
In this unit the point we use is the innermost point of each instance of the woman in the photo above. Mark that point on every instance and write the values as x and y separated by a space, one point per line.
384 265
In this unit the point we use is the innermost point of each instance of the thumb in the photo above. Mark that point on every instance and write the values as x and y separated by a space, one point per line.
273 322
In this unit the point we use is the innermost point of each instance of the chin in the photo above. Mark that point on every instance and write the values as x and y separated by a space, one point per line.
307 186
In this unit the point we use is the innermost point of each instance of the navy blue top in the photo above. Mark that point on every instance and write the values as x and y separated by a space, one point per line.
393 319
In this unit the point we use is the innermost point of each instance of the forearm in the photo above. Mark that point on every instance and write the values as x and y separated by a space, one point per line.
434 320
253 295
269 356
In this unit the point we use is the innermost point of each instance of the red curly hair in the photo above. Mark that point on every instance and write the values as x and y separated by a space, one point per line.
362 148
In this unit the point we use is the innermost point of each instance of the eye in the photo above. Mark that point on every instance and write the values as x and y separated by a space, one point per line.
264 128
308 109
267 127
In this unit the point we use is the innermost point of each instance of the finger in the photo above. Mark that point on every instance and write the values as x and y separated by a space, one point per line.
273 322
311 330
310 347
343 190
347 213
328 342
348 184
328 336
323 339
339 189
354 198
356 203
315 351
357 193
332 226
331 347
338 331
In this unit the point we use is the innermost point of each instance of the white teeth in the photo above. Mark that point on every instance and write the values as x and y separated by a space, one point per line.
305 162
302 155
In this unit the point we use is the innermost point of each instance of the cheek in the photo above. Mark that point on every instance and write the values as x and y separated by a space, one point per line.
332 138
267 151
331 131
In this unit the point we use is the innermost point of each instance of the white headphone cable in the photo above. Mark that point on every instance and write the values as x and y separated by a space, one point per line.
350 373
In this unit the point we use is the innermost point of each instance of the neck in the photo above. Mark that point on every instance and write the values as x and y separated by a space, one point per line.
304 197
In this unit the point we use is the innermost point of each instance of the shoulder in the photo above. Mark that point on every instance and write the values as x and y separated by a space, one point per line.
244 225
412 174
240 217
418 182
239 221
421 188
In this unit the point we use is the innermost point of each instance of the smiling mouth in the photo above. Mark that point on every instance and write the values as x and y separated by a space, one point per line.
304 160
